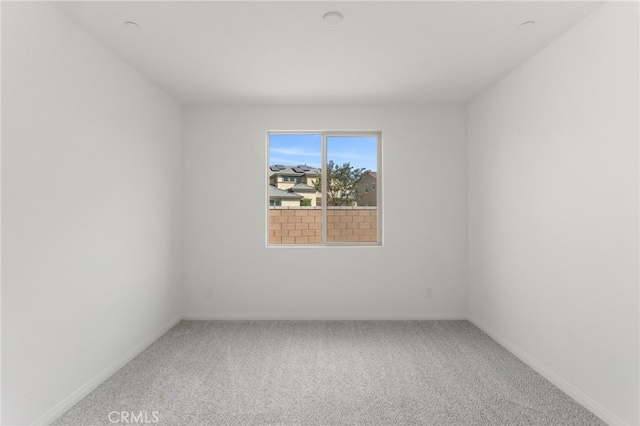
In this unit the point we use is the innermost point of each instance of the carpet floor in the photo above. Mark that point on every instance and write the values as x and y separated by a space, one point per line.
327 373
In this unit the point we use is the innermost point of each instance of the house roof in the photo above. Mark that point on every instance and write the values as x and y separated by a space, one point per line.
299 170
373 175
302 187
279 193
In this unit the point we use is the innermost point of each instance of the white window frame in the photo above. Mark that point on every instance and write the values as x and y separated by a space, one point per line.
379 194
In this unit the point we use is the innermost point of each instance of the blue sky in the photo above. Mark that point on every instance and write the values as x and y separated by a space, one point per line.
294 149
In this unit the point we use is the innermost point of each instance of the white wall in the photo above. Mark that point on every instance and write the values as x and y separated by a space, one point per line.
91 212
424 219
553 211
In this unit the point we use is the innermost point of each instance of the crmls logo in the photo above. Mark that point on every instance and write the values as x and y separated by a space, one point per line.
141 417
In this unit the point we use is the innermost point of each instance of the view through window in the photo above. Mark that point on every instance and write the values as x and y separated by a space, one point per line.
323 188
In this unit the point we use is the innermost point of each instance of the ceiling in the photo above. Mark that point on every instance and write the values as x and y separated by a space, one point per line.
282 53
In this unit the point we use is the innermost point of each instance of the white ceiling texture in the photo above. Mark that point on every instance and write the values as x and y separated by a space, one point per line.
283 53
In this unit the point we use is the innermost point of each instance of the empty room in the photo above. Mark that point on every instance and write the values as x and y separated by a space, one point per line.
320 213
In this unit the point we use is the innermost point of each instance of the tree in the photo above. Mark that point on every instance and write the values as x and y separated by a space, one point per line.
342 186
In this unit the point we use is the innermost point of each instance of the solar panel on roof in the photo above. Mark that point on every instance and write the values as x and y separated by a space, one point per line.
298 170
274 168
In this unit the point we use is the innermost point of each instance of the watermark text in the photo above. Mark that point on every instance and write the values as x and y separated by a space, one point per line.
133 417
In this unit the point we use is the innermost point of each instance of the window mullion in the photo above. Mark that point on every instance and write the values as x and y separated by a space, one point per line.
323 177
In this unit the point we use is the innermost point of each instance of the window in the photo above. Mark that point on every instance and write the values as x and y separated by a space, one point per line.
292 179
333 206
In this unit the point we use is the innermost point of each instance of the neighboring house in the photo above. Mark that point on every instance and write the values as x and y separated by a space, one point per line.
367 189
308 192
293 180
300 180
280 198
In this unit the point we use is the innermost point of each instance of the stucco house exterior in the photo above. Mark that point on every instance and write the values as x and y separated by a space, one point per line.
297 182
367 188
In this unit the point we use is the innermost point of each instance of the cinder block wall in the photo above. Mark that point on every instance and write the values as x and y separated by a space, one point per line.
295 225
303 225
356 224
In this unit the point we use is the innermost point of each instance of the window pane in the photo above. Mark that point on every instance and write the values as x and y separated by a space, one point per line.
352 212
295 216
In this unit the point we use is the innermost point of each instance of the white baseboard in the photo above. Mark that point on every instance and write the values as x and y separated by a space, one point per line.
322 316
85 389
591 405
